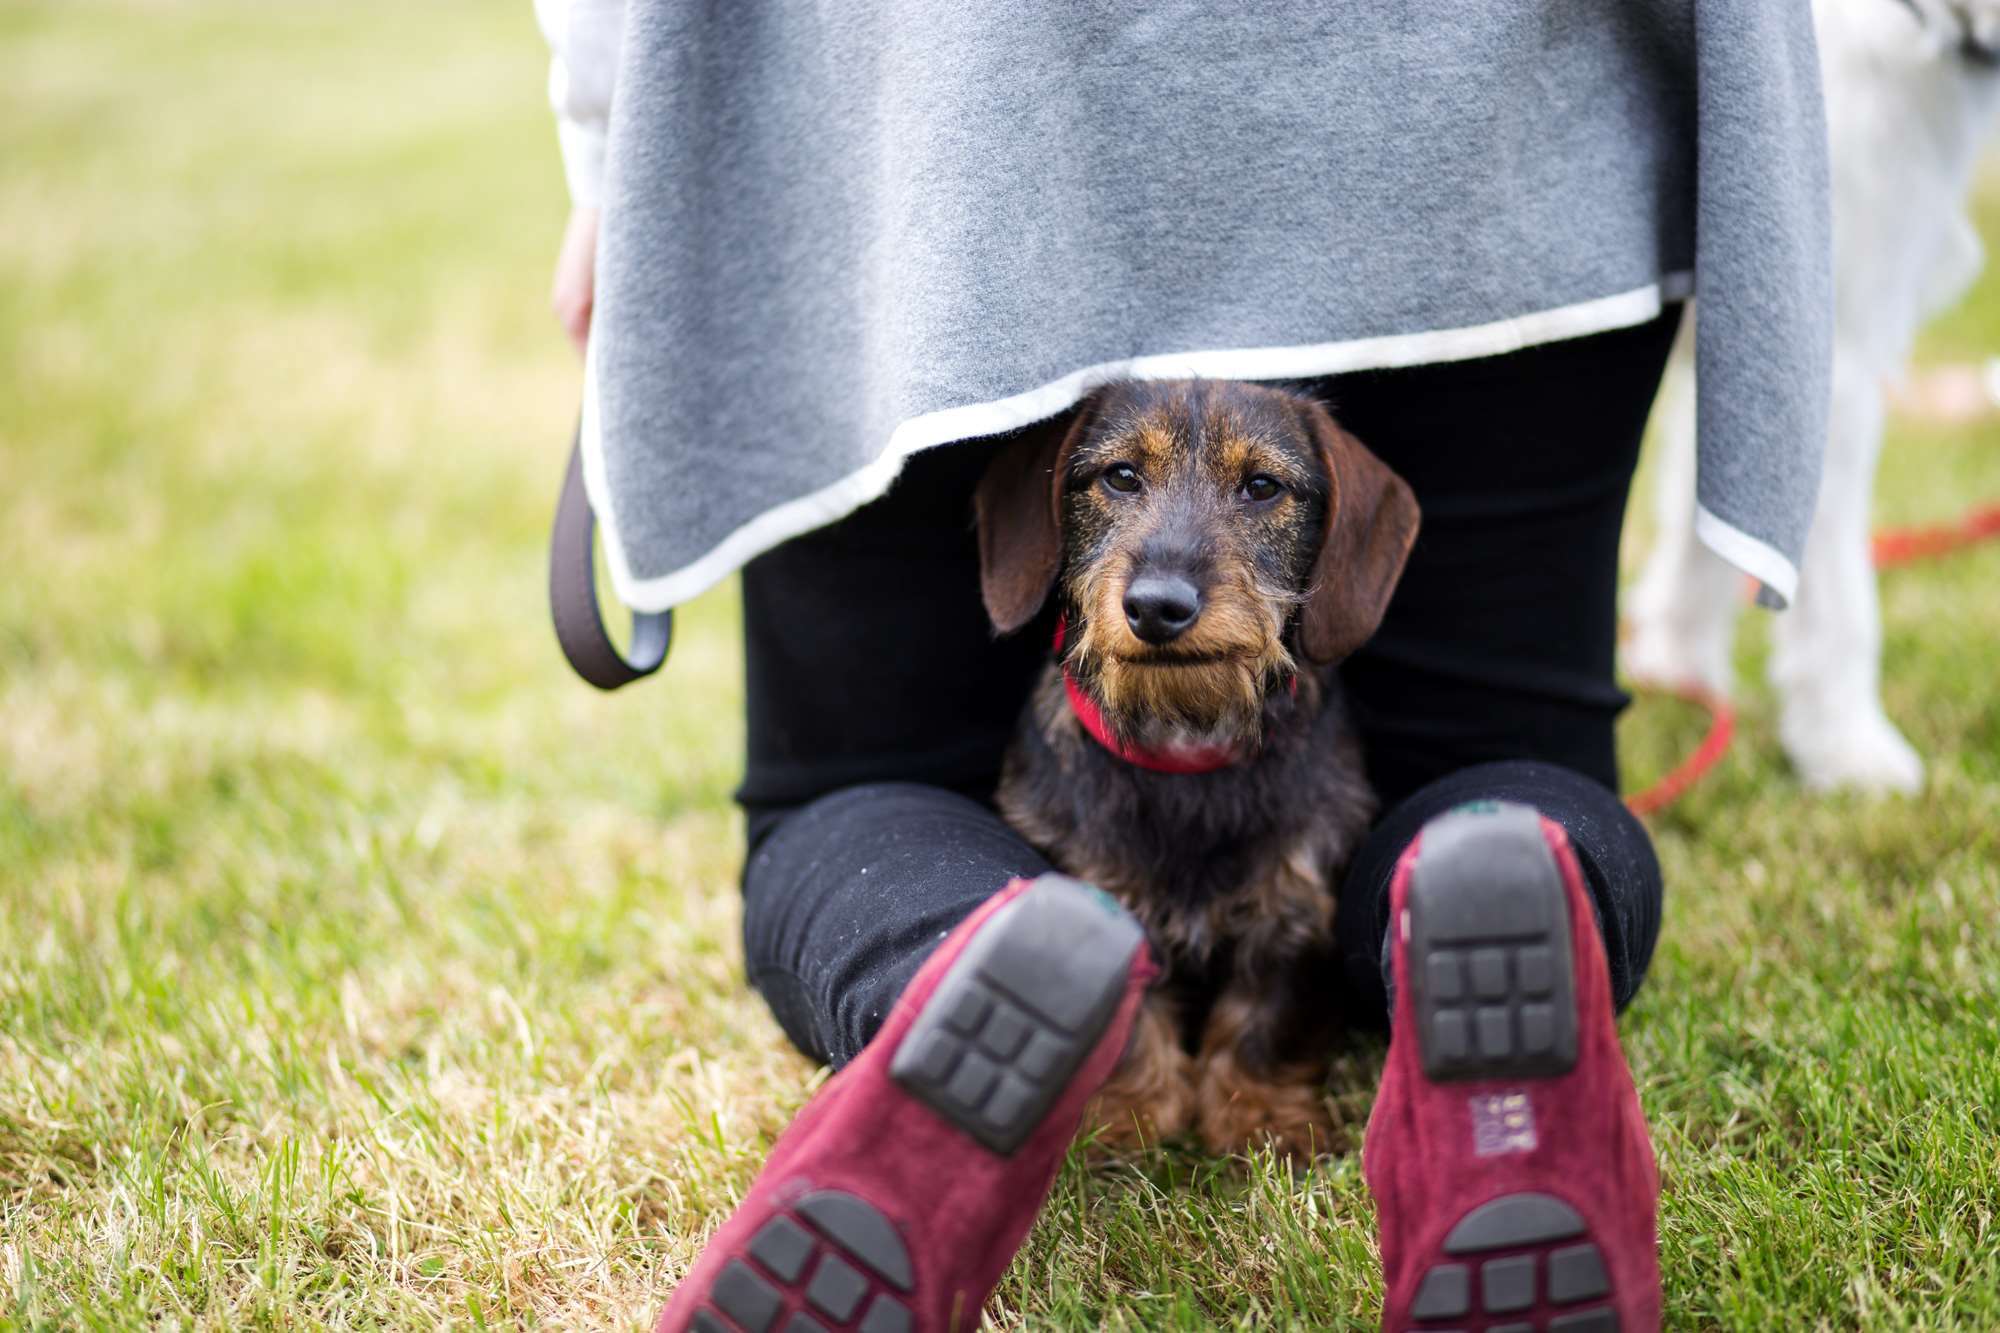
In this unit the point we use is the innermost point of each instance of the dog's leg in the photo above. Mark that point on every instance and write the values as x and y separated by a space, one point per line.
1151 1094
1826 659
1680 618
1260 1078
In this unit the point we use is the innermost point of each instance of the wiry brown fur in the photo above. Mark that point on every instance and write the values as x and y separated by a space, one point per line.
1232 872
1242 1096
1152 1094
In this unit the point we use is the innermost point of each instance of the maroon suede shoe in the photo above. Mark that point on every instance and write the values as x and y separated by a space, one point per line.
898 1196
1507 1152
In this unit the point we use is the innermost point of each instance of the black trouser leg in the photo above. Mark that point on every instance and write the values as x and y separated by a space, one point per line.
844 901
880 705
1499 644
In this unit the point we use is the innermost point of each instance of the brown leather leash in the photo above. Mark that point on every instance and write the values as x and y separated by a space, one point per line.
579 623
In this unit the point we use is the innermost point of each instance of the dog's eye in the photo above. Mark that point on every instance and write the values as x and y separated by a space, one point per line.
1122 477
1261 488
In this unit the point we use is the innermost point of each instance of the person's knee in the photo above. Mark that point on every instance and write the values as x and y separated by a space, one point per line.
797 861
1612 848
844 894
788 842
865 801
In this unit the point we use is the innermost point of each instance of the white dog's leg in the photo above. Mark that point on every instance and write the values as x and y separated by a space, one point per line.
1826 651
1681 615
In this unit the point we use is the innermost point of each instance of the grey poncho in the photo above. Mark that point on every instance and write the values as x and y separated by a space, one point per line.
837 233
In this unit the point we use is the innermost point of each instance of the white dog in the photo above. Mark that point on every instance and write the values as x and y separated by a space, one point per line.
1912 91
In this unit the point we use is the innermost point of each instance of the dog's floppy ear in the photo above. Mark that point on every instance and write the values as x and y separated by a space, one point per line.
1371 522
1019 509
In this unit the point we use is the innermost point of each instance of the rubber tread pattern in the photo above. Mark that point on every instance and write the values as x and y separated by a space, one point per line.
1446 1293
748 1299
782 1247
1490 952
1577 1274
1514 1220
837 1238
1507 1285
836 1288
1530 1271
1019 1010
886 1316
864 1233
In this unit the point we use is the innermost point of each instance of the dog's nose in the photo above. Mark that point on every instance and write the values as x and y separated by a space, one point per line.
1159 608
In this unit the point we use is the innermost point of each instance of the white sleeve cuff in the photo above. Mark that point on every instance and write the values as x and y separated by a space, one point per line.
1777 577
583 161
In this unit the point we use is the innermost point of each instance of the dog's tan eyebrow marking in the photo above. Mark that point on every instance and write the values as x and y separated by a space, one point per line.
1279 463
1111 441
1244 449
1146 439
1235 454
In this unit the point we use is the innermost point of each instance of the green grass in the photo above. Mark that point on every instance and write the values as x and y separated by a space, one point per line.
359 967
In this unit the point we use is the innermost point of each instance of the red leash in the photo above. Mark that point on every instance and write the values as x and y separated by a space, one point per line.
1895 546
1714 744
1901 546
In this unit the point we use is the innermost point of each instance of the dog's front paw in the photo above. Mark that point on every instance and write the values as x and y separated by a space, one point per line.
1236 1110
1150 1096
1861 751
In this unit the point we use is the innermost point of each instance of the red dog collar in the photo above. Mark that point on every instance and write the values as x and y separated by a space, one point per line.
1182 759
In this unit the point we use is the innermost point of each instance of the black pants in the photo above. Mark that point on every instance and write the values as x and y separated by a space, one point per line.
880 703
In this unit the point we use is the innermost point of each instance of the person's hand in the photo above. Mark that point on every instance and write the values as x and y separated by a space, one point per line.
575 288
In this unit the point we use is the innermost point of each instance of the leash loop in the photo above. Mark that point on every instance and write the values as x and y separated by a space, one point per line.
573 606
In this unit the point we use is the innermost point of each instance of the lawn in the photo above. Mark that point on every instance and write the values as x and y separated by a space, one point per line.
360 967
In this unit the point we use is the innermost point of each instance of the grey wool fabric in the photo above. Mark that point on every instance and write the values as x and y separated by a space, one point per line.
839 232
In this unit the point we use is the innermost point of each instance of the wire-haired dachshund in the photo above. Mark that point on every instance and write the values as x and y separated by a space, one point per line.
1215 549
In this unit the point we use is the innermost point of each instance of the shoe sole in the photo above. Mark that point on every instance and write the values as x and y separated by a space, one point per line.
823 1257
991 1051
1492 974
1019 1010
1489 949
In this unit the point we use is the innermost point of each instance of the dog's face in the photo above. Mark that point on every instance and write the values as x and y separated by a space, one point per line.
1190 517
1202 534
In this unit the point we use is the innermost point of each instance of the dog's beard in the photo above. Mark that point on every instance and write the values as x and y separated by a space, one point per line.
1206 688
1198 705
